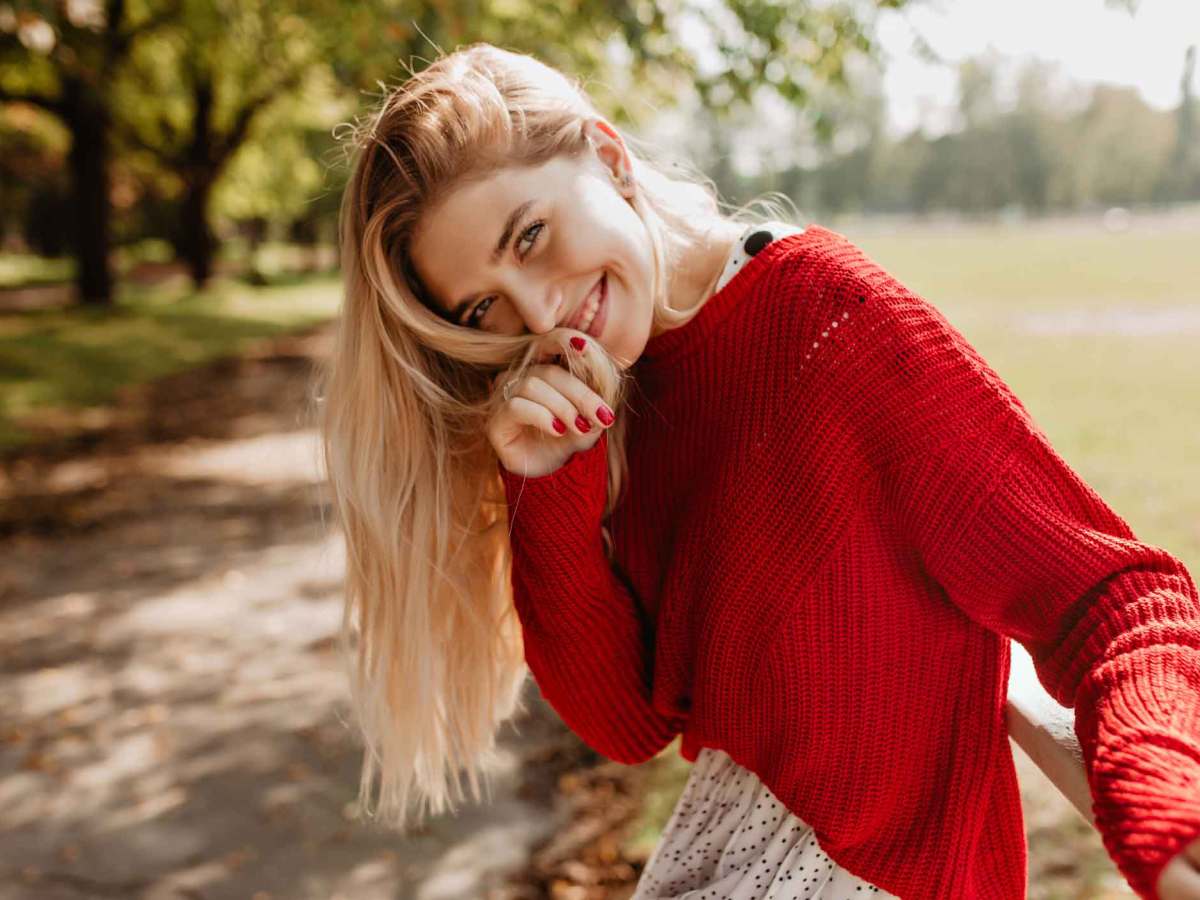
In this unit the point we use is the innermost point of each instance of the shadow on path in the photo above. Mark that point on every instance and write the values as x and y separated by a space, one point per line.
173 717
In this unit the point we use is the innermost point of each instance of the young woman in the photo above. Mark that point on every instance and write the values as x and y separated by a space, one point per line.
721 478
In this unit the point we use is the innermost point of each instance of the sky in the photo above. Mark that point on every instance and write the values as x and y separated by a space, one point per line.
1090 42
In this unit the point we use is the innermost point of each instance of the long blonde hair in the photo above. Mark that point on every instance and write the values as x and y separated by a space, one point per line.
430 637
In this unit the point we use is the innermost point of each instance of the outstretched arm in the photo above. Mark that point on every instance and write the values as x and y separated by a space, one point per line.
1028 549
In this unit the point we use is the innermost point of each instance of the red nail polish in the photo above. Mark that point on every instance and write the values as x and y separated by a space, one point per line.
604 414
583 424
558 425
578 343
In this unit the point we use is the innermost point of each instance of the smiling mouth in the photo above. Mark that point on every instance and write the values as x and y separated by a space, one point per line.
581 313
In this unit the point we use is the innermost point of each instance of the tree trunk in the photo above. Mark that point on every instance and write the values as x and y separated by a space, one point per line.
88 121
197 244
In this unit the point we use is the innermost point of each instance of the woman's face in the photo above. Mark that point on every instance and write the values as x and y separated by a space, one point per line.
525 249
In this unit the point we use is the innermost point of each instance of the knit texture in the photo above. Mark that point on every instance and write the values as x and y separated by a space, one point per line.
837 516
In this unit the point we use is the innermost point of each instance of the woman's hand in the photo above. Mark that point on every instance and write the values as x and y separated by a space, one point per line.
1180 878
523 430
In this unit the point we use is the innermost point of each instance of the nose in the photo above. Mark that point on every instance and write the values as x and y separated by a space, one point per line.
538 303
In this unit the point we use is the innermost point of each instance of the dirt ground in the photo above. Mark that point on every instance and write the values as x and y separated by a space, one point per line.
173 717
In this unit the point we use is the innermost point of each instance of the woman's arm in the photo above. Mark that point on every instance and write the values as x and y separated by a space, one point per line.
586 641
1018 541
1028 549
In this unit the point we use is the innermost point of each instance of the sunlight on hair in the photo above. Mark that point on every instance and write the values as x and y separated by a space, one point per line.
430 637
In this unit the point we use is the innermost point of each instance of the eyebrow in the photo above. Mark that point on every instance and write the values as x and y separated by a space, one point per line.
501 245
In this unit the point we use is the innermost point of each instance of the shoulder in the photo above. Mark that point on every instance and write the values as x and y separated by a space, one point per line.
875 355
813 282
804 280
818 260
821 284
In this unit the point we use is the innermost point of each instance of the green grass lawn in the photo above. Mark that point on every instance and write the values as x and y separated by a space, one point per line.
81 357
1122 408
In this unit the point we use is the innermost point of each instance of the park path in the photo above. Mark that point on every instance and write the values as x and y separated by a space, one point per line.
173 719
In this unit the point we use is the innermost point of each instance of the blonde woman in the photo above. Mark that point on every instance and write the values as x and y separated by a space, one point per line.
719 477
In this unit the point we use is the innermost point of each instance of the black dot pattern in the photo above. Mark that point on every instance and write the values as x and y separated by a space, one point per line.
753 239
757 241
730 838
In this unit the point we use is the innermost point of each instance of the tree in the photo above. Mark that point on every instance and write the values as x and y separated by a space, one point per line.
210 87
1118 147
977 100
1182 177
197 92
62 58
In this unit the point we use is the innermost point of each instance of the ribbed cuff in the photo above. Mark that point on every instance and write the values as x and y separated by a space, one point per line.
1147 805
1145 776
568 501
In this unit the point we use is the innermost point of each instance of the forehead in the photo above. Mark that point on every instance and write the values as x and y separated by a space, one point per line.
453 241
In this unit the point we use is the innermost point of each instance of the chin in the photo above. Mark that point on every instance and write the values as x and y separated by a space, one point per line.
627 352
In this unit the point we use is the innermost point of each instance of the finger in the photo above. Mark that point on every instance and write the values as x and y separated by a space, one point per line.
541 391
527 412
1179 881
582 397
499 379
1192 851
550 353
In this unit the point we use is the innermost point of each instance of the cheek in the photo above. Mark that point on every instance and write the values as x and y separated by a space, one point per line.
505 319
629 296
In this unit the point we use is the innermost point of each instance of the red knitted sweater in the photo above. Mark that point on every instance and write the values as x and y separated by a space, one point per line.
837 515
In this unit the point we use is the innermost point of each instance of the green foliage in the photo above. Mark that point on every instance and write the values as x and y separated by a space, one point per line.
243 93
285 174
1052 150
22 270
223 109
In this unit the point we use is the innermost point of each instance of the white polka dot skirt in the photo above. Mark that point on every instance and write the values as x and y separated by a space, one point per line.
730 838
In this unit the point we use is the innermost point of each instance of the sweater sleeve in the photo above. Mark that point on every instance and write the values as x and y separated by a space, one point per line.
1028 549
586 639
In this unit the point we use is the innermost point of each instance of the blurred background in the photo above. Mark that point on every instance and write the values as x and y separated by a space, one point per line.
173 720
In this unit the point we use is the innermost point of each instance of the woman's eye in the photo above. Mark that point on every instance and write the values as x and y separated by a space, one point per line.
478 311
474 315
539 225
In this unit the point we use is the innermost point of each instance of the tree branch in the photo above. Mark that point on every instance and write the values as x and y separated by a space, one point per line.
116 44
168 153
121 38
225 147
48 103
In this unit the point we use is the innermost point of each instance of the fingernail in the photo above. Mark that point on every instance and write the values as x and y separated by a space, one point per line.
578 343
583 424
558 425
604 414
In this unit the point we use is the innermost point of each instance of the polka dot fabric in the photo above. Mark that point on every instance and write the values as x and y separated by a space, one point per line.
753 239
730 838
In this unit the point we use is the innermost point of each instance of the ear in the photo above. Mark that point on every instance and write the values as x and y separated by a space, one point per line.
610 149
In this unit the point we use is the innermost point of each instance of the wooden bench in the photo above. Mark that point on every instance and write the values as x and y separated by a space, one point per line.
1045 731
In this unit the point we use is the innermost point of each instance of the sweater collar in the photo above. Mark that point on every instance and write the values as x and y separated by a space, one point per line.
751 255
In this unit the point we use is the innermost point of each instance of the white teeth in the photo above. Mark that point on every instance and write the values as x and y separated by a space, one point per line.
590 309
589 315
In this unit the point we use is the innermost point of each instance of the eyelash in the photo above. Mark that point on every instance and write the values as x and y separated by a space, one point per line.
470 320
